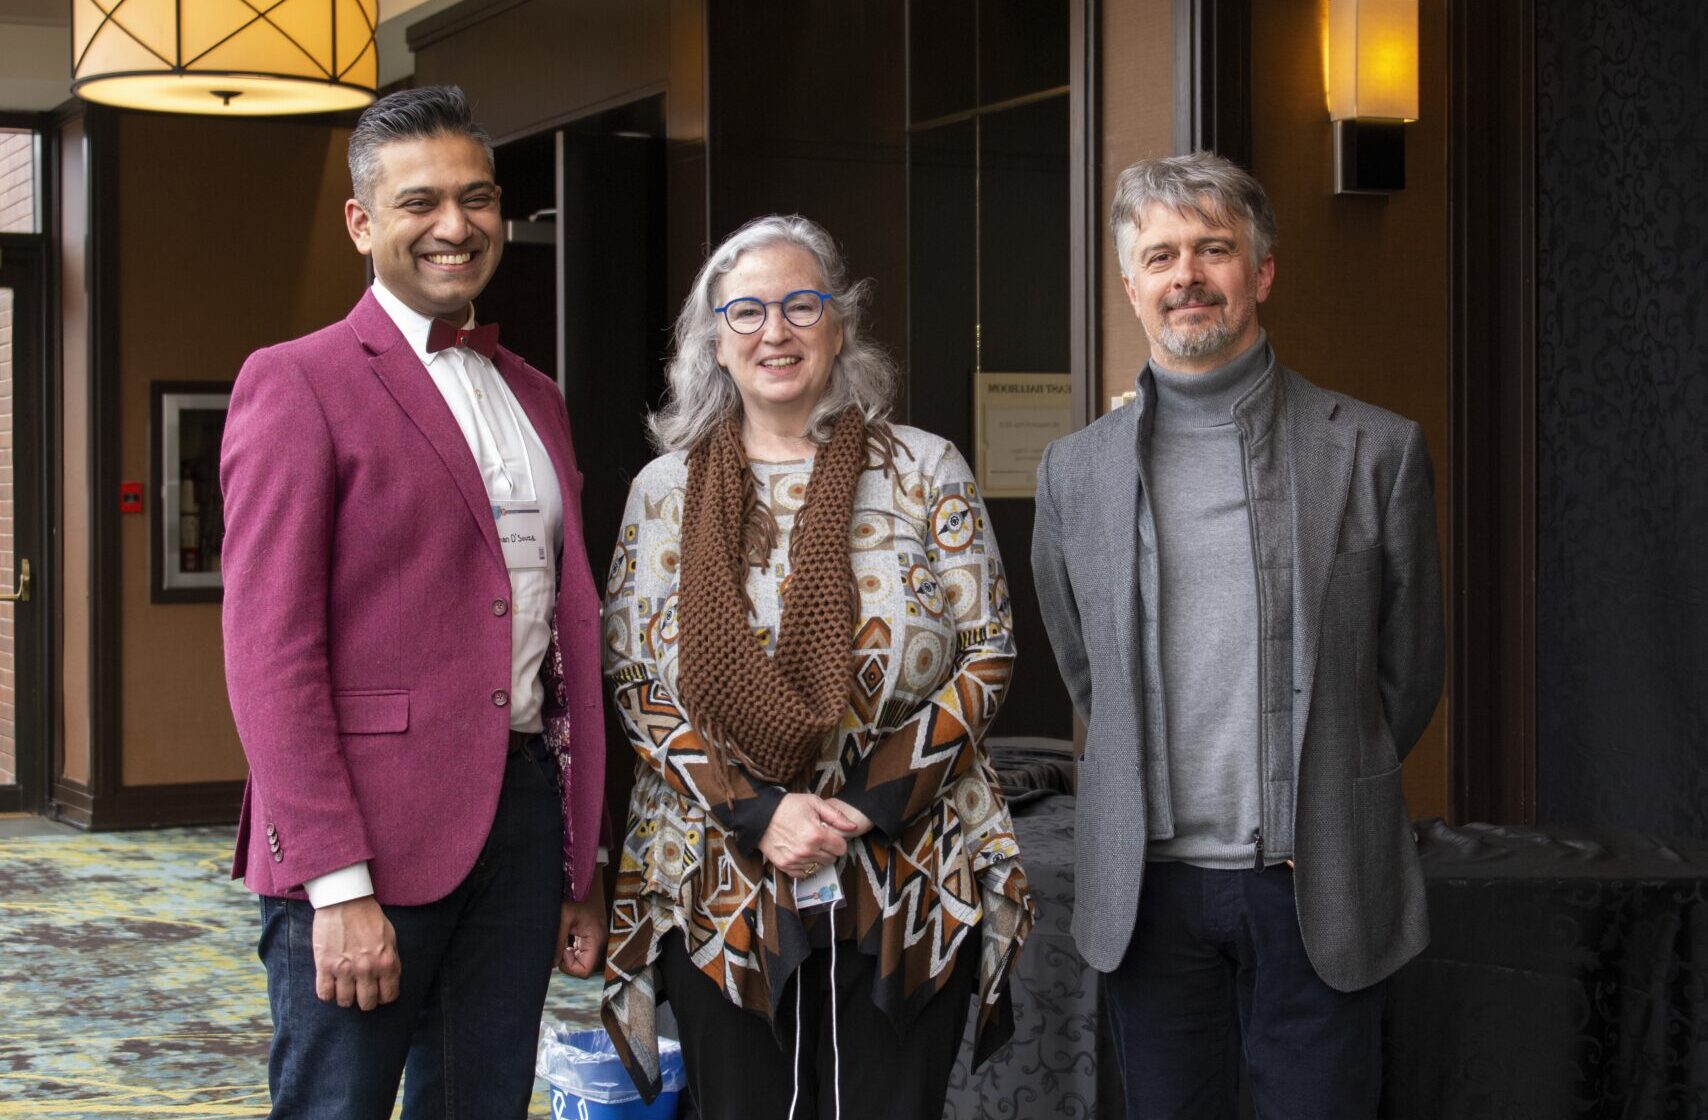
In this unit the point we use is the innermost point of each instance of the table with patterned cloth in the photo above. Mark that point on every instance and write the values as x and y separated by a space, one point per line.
1050 1068
1566 979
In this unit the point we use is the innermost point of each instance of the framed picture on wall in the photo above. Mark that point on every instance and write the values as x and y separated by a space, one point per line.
187 527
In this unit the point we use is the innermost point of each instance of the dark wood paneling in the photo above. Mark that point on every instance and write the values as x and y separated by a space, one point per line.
1492 480
25 269
105 608
167 806
533 64
807 106
1000 175
1085 228
615 318
1212 78
71 801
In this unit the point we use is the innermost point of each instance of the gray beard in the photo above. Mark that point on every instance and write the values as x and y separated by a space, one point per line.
1184 344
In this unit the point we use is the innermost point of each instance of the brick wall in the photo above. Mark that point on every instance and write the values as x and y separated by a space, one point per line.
17 182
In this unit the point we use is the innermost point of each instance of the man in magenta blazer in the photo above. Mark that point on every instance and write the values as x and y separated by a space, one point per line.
412 653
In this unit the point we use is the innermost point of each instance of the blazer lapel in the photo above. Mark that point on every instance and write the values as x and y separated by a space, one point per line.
1323 453
408 382
1116 493
1123 478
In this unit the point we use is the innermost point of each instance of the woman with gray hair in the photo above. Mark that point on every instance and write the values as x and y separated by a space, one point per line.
807 629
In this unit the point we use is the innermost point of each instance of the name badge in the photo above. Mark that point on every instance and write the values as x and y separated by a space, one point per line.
821 888
522 535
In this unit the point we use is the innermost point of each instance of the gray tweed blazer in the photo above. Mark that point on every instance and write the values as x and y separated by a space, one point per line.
1367 669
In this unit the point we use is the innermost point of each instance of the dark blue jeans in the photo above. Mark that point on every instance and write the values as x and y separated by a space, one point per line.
463 1029
1216 970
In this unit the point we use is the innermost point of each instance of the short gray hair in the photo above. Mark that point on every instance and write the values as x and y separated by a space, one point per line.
702 395
1207 185
409 114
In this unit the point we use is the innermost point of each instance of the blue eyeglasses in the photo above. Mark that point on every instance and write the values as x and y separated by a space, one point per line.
746 314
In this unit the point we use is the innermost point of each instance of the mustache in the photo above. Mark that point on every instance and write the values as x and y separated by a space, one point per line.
477 240
1194 294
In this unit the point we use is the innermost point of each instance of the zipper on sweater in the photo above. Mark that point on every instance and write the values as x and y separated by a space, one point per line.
1257 841
1262 723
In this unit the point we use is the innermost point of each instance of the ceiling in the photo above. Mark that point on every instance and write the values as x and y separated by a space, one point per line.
49 13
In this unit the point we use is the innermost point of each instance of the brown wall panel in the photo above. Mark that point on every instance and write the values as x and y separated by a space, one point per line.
231 237
1137 59
1360 297
71 712
533 64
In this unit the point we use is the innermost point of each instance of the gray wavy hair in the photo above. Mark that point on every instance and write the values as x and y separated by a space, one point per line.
1213 188
701 393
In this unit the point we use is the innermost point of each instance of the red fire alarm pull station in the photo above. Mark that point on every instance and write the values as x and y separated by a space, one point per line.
130 497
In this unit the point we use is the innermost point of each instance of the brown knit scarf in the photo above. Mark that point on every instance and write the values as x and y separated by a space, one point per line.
773 713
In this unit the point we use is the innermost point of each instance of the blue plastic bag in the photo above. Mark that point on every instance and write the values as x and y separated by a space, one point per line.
588 1081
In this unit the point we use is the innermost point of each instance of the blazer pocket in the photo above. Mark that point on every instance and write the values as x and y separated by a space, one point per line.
1355 587
371 711
1381 832
1365 559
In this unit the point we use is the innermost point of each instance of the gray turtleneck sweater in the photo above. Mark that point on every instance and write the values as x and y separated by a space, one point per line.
1208 617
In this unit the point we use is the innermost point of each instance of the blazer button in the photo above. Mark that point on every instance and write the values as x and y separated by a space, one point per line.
500 607
277 858
500 698
271 831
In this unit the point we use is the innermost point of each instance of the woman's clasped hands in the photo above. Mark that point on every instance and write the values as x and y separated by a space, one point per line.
808 832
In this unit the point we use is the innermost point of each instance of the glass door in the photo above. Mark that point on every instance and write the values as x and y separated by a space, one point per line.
989 261
23 355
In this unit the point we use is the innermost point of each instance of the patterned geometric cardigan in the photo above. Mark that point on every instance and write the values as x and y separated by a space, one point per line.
933 651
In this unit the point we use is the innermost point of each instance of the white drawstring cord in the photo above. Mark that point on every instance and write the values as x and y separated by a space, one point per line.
797 1070
835 1042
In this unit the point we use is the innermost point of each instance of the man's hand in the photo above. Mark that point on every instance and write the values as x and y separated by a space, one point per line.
805 833
355 954
581 932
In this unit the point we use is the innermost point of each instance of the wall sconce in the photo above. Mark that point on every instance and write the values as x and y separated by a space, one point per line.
1370 59
225 57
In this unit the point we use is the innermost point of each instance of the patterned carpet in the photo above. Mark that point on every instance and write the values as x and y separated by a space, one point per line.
129 985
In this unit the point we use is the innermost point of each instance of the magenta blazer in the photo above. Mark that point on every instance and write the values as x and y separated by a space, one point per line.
367 624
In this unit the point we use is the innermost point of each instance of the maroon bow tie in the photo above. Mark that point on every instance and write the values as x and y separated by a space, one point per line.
444 334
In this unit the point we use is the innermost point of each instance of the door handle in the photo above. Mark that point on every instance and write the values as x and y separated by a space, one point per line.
22 595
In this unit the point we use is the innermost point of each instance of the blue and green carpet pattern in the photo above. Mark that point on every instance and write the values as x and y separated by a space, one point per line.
129 985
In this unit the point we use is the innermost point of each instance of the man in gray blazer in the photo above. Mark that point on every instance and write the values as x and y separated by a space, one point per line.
1240 578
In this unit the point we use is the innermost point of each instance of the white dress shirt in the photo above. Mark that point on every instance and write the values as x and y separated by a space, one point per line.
516 468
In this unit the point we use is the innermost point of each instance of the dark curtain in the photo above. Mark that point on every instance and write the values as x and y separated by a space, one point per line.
1622 414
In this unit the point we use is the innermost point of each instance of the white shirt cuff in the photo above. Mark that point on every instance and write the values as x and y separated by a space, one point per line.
604 856
340 886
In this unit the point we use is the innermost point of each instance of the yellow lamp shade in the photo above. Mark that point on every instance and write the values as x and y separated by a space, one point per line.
225 57
1371 59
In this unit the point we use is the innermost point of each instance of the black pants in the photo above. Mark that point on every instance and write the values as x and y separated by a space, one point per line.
740 1069
1217 967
